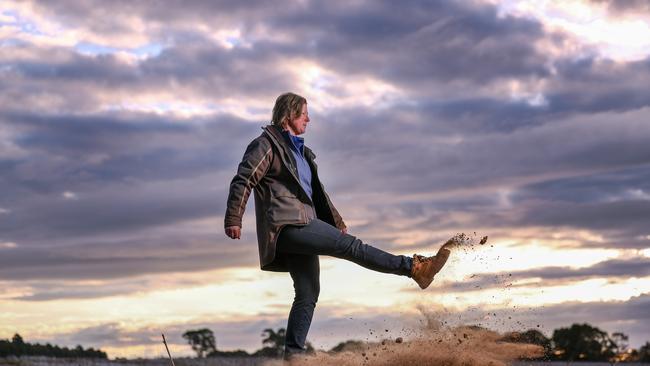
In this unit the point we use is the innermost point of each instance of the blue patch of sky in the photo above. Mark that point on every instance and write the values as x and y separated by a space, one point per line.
148 50
93 49
15 21
24 25
233 41
10 14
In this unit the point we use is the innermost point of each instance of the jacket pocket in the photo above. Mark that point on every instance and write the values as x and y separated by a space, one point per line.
284 207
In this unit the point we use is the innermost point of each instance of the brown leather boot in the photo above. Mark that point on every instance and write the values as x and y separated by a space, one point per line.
424 268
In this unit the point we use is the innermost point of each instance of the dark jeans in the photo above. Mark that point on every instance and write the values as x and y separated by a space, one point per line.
302 245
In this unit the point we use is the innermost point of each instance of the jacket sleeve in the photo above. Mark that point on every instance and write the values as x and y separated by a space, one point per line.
251 170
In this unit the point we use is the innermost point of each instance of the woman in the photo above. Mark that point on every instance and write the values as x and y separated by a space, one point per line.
297 222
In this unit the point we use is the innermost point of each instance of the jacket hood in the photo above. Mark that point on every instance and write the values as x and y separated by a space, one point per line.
276 133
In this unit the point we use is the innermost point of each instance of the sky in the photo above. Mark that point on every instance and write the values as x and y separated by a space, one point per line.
122 124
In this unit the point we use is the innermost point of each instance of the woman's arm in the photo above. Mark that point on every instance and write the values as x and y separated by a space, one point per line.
253 167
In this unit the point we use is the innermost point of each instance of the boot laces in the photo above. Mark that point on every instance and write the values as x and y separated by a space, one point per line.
423 259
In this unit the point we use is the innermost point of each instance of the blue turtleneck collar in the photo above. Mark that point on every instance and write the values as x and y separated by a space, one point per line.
296 142
297 146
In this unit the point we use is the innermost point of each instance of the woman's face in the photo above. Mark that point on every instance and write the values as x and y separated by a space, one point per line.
298 125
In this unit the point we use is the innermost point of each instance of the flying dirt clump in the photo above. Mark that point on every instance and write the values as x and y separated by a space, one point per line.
465 241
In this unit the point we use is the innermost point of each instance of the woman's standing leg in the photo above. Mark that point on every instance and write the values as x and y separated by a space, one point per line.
301 245
305 271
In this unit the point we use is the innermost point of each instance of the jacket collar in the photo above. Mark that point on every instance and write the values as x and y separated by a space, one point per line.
285 154
276 133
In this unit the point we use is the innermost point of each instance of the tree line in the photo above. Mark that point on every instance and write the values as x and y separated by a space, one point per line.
18 347
579 342
583 342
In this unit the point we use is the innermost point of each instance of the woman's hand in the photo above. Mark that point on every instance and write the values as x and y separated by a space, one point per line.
234 232
344 231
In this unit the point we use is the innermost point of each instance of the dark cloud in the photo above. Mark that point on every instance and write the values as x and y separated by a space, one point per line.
628 7
106 69
176 13
75 82
438 46
614 216
123 210
613 203
437 41
112 147
329 28
638 267
115 260
430 46
612 270
109 333
127 173
76 291
592 85
626 183
388 148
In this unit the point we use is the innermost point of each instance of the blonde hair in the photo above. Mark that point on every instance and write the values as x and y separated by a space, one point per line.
287 107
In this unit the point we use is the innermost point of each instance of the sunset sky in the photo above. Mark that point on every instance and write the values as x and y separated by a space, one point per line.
122 124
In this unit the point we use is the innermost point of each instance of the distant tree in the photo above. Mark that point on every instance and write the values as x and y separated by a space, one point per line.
18 347
18 344
202 341
583 342
644 353
272 342
274 339
620 347
620 341
5 348
17 340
